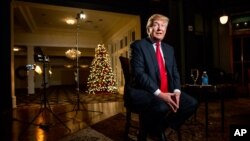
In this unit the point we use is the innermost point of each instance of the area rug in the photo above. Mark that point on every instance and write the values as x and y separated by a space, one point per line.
113 128
192 130
86 134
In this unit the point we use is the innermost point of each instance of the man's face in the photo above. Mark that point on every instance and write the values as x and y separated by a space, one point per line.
158 30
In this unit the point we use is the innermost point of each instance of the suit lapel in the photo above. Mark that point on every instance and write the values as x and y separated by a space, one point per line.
151 52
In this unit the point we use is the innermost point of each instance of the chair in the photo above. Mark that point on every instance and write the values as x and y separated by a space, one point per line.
126 71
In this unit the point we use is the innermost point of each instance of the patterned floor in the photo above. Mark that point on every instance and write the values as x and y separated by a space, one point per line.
237 112
63 95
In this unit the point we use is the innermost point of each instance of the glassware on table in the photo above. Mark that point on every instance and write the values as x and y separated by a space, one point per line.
194 75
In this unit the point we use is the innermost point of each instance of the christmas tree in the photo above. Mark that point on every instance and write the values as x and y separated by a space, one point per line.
101 78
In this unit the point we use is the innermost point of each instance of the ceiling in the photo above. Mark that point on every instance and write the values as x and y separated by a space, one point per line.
34 18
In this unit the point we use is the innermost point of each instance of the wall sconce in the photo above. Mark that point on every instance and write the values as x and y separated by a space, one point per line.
223 19
224 16
50 71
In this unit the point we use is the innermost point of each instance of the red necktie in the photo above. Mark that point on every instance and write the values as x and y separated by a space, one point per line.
163 73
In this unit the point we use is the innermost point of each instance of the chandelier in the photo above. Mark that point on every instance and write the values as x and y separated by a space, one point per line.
73 53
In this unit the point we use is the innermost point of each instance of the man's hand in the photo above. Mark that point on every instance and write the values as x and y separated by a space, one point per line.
176 98
172 99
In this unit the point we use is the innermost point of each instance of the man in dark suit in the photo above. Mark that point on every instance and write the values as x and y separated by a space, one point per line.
156 91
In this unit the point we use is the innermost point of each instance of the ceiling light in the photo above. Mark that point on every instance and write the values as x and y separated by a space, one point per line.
68 66
223 19
16 49
70 21
73 53
84 66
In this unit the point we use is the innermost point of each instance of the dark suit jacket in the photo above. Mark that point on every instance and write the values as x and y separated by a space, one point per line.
145 72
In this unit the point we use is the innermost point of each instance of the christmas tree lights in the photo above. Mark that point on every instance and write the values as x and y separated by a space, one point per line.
101 78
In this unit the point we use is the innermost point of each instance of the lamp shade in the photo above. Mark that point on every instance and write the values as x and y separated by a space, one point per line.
223 19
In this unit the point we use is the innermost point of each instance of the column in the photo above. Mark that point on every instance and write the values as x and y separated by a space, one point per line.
30 73
12 82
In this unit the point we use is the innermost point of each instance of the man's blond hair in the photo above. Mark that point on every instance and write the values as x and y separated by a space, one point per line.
155 17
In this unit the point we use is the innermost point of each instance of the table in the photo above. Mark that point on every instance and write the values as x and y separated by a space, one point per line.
204 90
